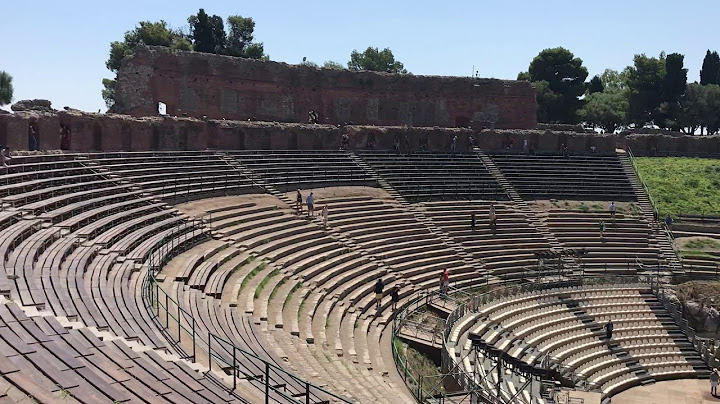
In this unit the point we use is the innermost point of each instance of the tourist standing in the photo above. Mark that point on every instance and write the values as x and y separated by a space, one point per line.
493 217
325 215
714 377
471 143
612 210
379 286
472 222
4 156
298 202
444 282
526 148
602 229
395 296
310 201
453 145
668 222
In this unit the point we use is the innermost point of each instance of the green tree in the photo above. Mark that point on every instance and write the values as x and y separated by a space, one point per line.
563 82
149 33
595 85
6 88
646 79
240 38
333 65
375 60
674 86
207 32
710 71
108 92
605 109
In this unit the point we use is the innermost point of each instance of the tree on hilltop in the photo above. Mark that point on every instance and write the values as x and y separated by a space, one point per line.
559 79
240 38
207 32
6 88
595 85
645 80
375 60
710 71
333 65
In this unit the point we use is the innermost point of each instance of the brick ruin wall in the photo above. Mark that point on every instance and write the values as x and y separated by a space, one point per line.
112 132
214 86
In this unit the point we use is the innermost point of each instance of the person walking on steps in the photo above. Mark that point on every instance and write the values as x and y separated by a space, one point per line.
608 330
602 229
472 222
714 377
325 215
298 202
668 222
395 296
379 286
444 282
612 210
310 201
493 217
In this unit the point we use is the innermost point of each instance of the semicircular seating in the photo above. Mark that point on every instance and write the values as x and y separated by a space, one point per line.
565 327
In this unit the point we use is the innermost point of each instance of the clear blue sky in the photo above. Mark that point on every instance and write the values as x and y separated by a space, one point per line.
57 49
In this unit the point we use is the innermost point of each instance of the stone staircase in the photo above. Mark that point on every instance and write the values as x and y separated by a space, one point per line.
659 234
418 213
256 180
533 219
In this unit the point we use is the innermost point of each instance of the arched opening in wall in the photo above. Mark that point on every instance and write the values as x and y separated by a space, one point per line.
155 139
462 121
183 139
161 108
292 143
97 137
240 141
33 136
3 133
126 137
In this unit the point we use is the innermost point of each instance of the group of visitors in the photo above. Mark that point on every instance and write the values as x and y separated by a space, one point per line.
491 215
310 202
394 295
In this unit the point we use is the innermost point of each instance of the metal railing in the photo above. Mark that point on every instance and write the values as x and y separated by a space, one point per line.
705 347
185 332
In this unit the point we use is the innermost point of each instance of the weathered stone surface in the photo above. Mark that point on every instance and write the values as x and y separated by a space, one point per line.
32 105
216 86
660 145
109 132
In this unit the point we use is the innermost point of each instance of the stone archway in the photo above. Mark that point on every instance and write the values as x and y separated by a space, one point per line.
97 140
126 137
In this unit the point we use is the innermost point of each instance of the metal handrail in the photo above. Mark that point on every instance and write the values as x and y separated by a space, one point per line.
158 300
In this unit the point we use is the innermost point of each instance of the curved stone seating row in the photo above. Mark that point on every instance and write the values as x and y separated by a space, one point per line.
174 176
297 275
627 245
565 326
436 176
47 362
599 178
289 170
75 248
506 251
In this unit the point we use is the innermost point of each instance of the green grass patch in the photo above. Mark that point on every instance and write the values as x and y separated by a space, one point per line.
419 366
697 254
682 185
264 282
703 244
279 284
251 274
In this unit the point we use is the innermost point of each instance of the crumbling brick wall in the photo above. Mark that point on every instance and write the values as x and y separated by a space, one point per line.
197 84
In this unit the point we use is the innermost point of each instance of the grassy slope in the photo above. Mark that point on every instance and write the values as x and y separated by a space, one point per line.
681 185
